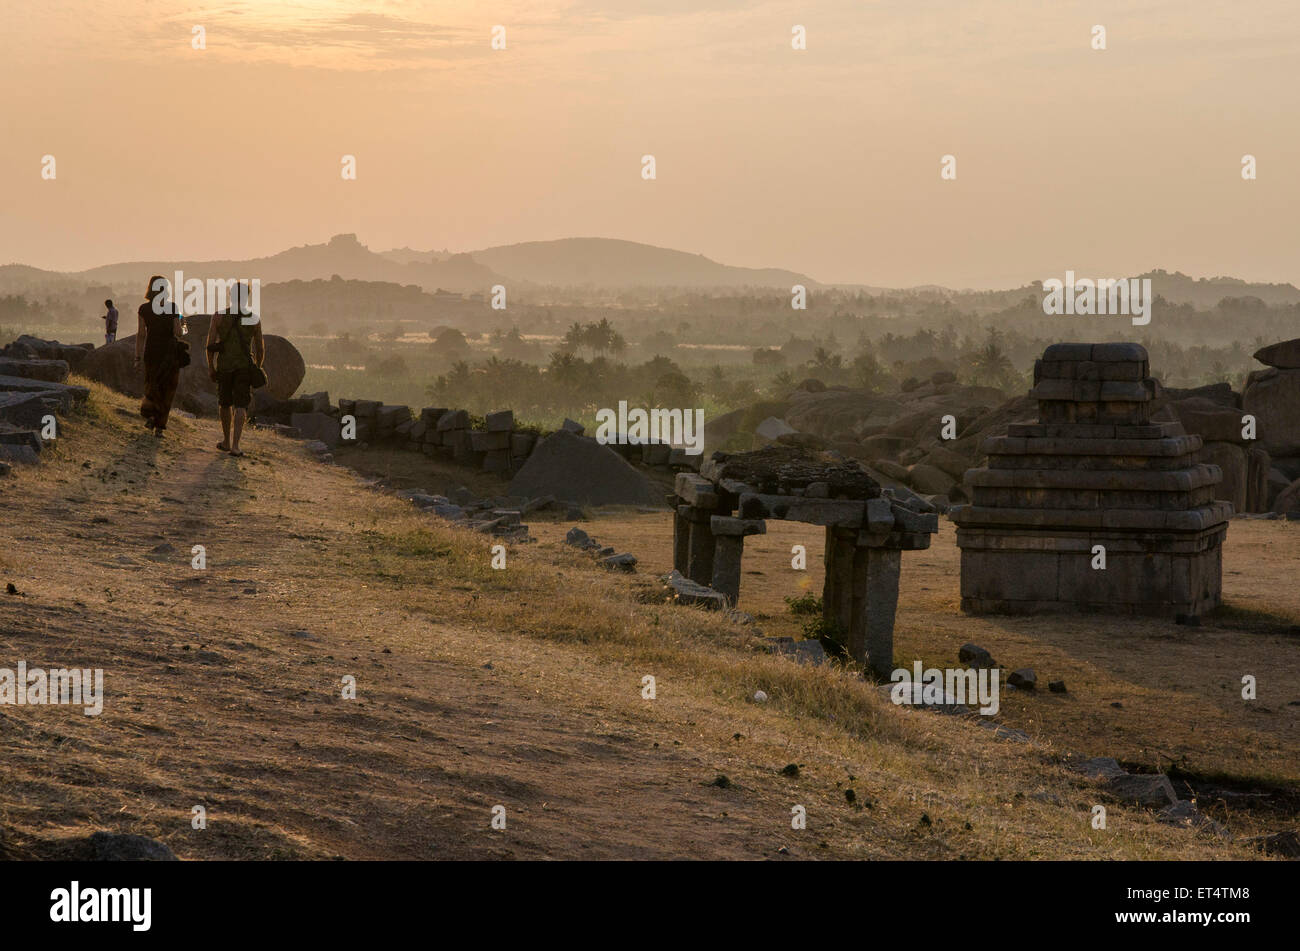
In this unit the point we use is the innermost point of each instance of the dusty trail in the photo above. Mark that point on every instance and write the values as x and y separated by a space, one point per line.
223 689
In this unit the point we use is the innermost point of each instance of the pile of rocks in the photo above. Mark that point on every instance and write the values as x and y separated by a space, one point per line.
608 557
499 516
33 389
898 437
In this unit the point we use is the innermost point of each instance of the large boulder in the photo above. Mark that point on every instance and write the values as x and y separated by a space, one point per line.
1277 484
51 371
27 347
837 410
721 428
930 480
1232 460
993 422
1284 355
1273 397
1213 421
1288 500
953 463
579 469
112 365
1258 466
1221 393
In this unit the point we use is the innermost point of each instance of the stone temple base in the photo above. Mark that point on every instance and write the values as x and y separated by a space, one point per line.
1094 470
1007 572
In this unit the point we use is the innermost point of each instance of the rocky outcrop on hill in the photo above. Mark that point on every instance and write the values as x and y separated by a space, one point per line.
33 395
27 347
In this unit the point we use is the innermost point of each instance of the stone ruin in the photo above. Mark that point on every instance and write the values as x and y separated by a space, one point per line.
1094 470
33 388
866 532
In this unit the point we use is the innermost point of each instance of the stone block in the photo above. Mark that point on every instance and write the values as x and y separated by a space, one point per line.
319 426
490 441
390 417
496 460
688 592
845 513
724 525
501 422
453 420
655 454
695 490
521 444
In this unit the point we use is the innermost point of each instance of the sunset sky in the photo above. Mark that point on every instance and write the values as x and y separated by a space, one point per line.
825 160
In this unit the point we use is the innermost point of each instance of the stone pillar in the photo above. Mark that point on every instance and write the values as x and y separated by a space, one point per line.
681 541
729 548
727 553
699 544
837 591
870 638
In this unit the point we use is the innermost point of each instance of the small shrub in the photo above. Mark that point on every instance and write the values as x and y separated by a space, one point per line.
805 604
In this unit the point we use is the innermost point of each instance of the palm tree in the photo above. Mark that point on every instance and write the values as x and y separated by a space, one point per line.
564 368
990 364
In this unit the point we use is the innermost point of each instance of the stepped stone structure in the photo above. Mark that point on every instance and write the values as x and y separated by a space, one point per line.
1094 470
867 530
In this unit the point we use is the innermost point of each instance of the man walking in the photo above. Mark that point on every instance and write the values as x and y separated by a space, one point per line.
235 352
110 323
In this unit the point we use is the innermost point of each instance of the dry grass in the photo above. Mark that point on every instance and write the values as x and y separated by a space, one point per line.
556 728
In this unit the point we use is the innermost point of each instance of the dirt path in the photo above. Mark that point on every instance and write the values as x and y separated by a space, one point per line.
224 688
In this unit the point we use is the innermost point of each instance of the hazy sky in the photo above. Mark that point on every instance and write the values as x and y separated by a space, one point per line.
824 160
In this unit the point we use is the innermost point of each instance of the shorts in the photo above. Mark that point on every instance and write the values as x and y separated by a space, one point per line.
110 337
234 388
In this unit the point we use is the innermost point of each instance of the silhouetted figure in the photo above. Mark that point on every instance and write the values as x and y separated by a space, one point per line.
110 323
156 348
235 350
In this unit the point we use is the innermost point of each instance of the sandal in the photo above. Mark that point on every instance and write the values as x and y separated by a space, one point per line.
223 447
236 452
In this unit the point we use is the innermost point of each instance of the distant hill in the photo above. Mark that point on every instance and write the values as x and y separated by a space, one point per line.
610 262
571 262
1205 292
344 255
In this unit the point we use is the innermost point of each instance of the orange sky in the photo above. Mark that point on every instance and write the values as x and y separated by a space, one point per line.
824 160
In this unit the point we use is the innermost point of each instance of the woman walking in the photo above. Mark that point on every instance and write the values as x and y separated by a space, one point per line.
156 347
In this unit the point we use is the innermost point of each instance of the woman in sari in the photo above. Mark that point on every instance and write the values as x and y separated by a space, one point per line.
155 347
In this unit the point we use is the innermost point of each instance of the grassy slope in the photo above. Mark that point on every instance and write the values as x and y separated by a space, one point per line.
555 729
